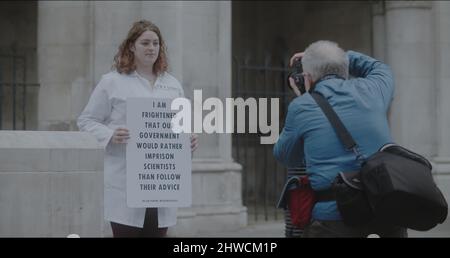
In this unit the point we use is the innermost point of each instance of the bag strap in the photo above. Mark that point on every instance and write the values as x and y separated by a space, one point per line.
343 134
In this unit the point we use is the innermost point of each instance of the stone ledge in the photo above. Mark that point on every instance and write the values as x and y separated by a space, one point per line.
47 140
391 5
38 151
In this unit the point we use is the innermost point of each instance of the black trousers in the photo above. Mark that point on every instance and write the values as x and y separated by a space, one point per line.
150 228
337 228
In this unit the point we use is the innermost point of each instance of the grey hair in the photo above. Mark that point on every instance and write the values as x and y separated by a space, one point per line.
325 57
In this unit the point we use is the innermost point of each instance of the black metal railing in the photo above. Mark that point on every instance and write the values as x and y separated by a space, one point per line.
262 177
14 88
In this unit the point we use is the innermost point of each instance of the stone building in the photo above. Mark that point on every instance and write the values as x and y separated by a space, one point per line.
59 50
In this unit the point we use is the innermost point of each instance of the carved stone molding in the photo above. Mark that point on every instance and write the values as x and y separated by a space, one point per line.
390 5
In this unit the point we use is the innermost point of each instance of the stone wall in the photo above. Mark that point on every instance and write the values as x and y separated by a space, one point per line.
51 184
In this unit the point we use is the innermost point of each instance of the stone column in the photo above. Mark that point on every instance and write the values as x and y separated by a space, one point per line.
409 51
63 62
441 11
442 19
111 22
167 15
378 30
198 35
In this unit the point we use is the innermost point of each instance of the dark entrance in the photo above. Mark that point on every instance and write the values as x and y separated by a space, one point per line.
18 70
262 178
264 35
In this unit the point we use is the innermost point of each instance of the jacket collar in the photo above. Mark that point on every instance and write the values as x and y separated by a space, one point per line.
321 81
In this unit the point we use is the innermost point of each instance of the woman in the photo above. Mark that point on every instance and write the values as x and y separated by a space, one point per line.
140 71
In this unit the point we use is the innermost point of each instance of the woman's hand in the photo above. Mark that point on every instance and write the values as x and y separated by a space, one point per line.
120 135
194 142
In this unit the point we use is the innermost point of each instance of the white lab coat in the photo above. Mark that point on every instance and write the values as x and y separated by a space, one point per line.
105 111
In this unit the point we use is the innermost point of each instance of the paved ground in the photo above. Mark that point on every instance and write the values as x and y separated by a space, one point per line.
266 230
275 229
437 232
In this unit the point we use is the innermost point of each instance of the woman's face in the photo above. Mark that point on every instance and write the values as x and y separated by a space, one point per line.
146 48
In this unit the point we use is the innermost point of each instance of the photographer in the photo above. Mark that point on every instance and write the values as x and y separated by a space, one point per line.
361 103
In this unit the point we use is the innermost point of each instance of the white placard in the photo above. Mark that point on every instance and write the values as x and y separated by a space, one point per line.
158 161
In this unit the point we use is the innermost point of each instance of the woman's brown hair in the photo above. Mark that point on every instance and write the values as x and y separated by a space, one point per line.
124 59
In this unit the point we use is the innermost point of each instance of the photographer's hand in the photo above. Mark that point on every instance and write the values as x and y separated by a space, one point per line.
294 87
295 57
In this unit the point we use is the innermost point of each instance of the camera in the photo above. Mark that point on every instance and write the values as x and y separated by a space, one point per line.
297 76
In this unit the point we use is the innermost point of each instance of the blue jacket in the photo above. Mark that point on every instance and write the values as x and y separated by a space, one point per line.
361 103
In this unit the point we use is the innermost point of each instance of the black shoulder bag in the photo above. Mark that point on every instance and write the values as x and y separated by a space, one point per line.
394 186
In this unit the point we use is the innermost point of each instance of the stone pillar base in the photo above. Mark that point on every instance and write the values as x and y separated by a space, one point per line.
441 172
216 200
441 165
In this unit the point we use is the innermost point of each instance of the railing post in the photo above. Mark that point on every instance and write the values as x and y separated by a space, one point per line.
1 99
265 147
24 94
14 87
259 185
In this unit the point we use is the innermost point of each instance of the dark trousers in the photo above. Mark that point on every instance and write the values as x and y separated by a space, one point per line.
150 228
335 229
